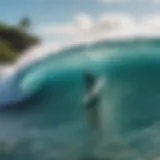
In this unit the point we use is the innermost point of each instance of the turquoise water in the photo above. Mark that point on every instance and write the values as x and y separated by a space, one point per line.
43 114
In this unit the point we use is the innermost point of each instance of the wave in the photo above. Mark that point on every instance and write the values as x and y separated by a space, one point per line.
47 96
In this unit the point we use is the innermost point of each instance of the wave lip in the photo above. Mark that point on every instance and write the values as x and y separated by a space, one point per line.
40 52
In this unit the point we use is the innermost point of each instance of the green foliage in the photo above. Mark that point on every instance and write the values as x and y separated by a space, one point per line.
15 39
6 53
18 39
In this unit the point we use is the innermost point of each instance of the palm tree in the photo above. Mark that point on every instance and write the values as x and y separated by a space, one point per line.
25 23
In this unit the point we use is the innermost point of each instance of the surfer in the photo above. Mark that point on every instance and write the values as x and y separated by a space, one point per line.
92 105
92 99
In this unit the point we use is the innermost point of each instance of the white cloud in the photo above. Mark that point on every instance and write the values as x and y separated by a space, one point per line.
71 31
83 28
84 21
150 25
113 1
156 1
107 2
66 29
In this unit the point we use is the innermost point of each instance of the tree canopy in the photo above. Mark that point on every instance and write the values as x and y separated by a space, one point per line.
15 39
6 53
25 23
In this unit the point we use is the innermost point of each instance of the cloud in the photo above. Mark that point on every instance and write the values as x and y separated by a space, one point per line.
126 1
112 26
113 1
59 30
150 25
84 28
156 1
84 21
81 21
70 31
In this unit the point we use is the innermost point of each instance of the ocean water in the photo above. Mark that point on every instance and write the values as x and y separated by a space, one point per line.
44 113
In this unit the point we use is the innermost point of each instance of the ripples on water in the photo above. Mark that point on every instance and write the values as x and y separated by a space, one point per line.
43 114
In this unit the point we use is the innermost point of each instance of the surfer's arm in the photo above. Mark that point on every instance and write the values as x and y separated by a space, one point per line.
95 92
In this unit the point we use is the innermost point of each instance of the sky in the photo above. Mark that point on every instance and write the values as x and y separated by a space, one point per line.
60 20
44 11
47 11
